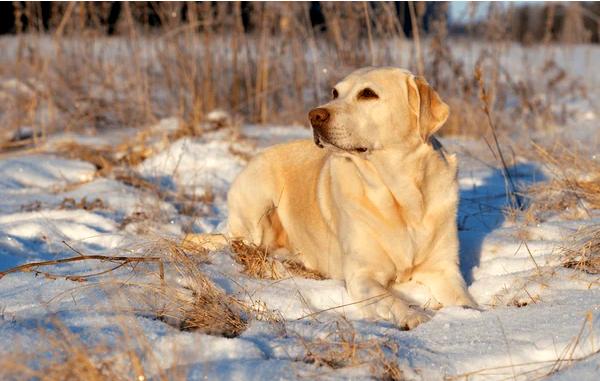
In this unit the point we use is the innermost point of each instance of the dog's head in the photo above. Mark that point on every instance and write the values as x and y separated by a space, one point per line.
376 108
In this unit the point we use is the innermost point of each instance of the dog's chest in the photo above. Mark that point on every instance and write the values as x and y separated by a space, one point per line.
365 195
383 210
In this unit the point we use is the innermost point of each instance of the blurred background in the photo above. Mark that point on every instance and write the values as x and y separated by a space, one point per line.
92 66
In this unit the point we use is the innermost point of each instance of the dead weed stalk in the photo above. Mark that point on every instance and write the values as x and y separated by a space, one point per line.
343 347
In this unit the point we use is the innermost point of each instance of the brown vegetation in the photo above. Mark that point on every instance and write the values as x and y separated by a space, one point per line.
573 189
76 79
584 253
259 263
343 347
67 359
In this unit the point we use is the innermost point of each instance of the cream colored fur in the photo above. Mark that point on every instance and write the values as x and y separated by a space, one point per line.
376 206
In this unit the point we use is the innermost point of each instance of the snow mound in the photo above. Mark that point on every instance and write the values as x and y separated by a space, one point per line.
194 166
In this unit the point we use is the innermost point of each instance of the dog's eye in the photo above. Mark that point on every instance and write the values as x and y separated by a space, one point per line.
334 93
367 94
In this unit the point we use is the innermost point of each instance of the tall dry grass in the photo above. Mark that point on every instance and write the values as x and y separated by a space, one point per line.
73 76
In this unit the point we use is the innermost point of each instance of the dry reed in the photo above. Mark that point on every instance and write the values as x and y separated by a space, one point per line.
201 305
266 63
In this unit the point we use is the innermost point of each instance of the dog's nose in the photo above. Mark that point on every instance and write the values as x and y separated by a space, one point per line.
318 117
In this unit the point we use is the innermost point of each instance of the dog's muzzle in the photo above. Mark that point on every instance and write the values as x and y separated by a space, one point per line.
319 118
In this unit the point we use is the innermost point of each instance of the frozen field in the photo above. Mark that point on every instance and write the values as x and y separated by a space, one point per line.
537 317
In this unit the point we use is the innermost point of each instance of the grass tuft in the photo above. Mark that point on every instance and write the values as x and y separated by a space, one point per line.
573 189
584 255
200 304
343 347
259 263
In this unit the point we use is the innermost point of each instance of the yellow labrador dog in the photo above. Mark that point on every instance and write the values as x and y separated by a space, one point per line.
372 200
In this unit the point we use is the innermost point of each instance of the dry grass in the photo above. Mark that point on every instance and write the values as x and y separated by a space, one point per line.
343 347
75 78
573 191
260 263
186 299
134 150
64 357
584 254
257 262
200 305
118 162
103 158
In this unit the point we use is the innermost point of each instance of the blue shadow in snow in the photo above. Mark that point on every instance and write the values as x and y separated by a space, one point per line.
34 250
481 211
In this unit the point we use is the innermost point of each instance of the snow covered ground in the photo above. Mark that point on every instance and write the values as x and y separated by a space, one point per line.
536 315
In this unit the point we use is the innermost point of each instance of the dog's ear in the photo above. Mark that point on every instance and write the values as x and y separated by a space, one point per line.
430 111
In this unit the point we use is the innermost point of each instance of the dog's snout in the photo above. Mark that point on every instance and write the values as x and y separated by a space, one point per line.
318 117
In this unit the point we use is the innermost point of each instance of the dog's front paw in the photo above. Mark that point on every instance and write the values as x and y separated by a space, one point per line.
412 319
460 298
406 317
466 301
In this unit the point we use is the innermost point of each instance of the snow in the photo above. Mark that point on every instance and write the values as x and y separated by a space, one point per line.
193 166
43 171
504 273
535 315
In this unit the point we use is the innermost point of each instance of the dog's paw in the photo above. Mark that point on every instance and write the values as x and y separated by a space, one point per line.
411 319
406 317
467 301
461 299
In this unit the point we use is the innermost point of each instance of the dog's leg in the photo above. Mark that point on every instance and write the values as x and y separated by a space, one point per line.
260 227
368 287
446 284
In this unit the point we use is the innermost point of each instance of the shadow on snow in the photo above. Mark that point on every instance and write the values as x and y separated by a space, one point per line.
481 211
